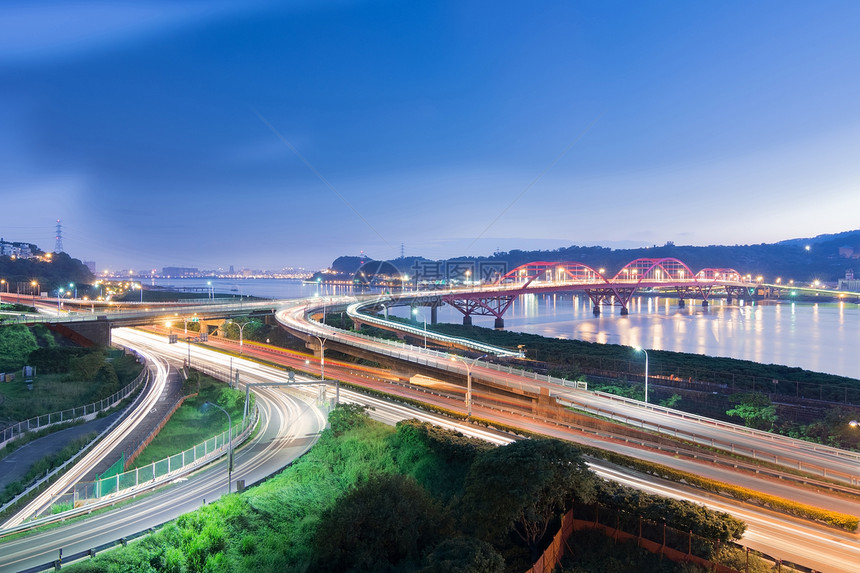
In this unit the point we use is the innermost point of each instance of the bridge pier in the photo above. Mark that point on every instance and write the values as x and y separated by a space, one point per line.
596 310
681 303
624 311
467 320
499 324
705 303
728 299
434 314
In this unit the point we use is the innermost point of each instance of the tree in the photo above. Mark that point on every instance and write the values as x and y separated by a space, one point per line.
346 417
386 524
755 409
523 486
84 368
16 344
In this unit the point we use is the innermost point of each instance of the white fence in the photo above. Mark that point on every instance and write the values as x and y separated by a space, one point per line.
79 413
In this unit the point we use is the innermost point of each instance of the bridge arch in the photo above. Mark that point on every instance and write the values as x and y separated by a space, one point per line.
713 275
655 270
572 271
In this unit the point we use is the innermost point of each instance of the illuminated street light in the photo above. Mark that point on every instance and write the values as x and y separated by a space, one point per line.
322 342
415 313
241 329
640 349
229 444
469 365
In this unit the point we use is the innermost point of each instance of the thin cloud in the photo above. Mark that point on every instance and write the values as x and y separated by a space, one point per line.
51 30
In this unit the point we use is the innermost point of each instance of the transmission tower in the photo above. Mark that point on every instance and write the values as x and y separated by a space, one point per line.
58 245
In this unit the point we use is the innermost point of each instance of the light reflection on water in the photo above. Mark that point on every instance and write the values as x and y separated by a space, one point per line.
823 337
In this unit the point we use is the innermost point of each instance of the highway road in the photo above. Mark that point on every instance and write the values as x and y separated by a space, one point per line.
816 459
290 423
158 375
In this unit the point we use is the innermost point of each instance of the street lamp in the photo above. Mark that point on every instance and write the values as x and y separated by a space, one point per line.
640 349
854 423
59 294
73 287
229 444
415 313
35 286
322 342
469 365
3 282
241 329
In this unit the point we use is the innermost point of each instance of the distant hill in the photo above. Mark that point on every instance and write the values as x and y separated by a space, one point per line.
827 259
59 271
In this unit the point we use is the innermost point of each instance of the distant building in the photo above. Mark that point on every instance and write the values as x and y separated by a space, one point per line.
180 272
19 250
849 283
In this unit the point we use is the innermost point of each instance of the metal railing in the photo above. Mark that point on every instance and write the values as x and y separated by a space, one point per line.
433 358
62 467
161 470
148 310
354 312
87 496
86 412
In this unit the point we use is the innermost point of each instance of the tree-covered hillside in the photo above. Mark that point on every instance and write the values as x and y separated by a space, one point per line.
827 258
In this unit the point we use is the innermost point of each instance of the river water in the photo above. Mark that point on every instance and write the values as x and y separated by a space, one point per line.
823 337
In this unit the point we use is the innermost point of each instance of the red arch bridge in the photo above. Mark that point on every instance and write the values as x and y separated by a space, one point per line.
663 275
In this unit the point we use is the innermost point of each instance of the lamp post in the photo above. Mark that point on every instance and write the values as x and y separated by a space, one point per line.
322 342
640 349
415 313
229 445
35 286
241 329
73 288
469 365
2 283
59 294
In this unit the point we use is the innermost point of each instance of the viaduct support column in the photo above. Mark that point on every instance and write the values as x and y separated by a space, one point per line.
499 324
434 314
467 320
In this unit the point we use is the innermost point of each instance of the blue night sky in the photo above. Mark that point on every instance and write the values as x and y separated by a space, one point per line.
268 134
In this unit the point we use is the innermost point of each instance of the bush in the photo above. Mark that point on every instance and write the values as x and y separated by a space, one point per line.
386 524
347 417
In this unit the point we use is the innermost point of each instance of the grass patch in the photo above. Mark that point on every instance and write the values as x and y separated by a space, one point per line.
192 424
58 392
